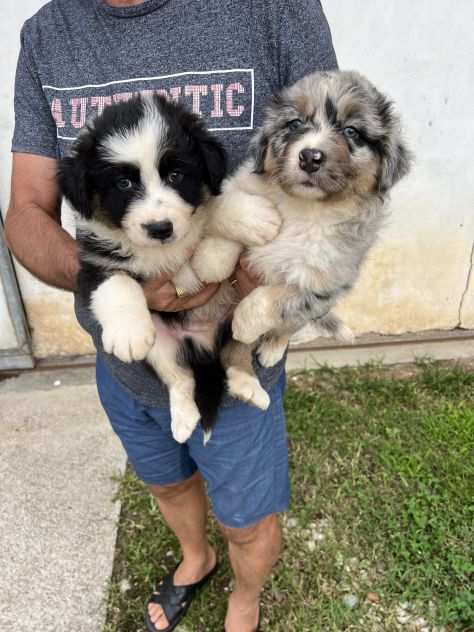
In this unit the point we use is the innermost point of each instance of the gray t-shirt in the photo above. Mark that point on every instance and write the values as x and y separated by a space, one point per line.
221 57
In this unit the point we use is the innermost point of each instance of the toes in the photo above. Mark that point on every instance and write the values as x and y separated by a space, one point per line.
162 623
157 617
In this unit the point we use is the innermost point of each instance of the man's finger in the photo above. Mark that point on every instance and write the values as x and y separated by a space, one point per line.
244 269
159 297
243 261
190 302
245 283
159 279
155 285
201 298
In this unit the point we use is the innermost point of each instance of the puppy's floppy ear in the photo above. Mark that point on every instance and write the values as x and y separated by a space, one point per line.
212 153
215 162
73 184
72 174
396 157
396 163
258 150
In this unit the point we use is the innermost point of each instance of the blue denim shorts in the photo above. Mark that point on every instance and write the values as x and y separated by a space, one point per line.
245 463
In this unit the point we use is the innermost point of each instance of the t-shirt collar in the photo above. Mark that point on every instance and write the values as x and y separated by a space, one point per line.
131 11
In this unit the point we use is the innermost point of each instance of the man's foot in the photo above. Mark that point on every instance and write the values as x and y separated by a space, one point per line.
188 572
243 615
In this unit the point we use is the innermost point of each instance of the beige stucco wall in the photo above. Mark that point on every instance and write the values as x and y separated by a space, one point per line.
421 54
417 276
50 312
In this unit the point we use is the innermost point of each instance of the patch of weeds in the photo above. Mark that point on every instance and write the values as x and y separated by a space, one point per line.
381 529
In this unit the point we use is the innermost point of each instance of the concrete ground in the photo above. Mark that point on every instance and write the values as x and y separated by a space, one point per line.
59 463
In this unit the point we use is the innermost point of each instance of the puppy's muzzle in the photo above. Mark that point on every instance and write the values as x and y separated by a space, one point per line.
159 230
311 160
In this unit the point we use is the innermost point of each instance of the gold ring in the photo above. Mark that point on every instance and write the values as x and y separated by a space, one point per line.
179 291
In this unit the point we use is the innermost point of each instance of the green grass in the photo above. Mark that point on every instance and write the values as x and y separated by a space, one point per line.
383 503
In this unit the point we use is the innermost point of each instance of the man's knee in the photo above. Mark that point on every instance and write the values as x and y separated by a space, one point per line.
169 493
266 532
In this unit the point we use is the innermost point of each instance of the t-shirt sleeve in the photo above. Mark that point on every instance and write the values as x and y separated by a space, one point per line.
305 40
35 129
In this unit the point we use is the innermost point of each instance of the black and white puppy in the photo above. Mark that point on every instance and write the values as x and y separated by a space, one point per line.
139 178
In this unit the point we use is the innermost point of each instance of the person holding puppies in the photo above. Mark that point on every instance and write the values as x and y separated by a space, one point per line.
223 60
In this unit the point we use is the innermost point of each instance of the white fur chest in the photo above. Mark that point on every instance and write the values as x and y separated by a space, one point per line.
304 249
321 244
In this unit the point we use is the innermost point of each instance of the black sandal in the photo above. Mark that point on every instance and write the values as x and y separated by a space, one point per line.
174 600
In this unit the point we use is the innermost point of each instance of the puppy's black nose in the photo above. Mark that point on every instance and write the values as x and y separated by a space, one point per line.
159 230
311 159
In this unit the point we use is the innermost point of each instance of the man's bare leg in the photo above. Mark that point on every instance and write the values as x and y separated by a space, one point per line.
184 508
252 552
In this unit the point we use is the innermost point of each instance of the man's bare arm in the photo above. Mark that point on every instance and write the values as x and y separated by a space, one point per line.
33 225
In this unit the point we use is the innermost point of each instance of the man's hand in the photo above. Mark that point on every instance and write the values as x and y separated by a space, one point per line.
160 294
245 281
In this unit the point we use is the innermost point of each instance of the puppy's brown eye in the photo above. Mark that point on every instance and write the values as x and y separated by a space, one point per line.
295 124
175 177
124 184
350 132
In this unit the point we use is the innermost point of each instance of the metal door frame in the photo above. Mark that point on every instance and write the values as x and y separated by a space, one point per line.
21 356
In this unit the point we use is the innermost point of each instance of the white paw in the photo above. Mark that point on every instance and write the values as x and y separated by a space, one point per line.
215 259
269 353
243 331
128 340
247 388
185 417
258 221
247 323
